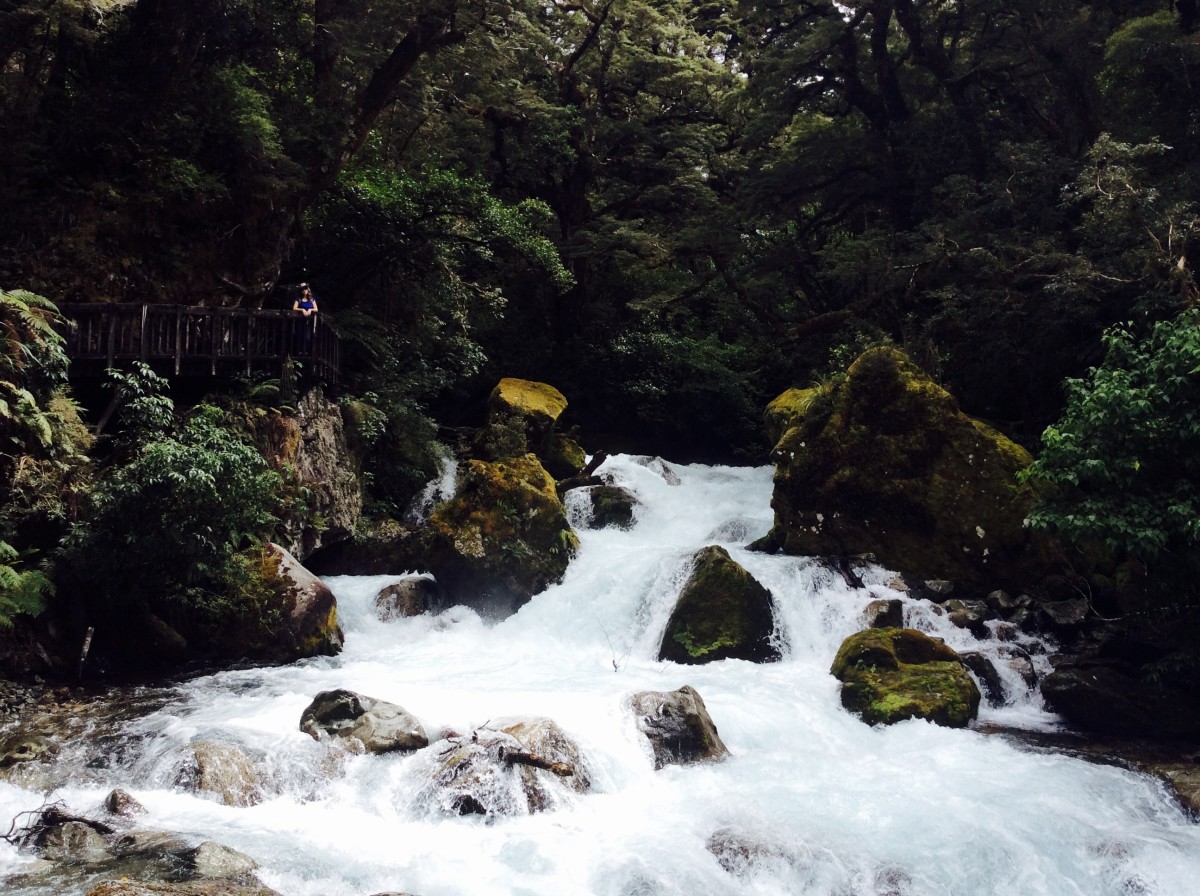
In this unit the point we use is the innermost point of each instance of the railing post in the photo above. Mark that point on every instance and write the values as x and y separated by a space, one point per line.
142 334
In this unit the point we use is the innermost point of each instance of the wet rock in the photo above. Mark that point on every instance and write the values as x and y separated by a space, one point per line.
410 597
502 538
1020 662
224 770
514 767
215 860
936 590
74 842
722 613
310 624
1001 602
884 614
1111 698
661 467
25 747
377 548
612 505
123 803
989 678
889 675
969 614
678 727
192 888
889 465
738 853
379 726
1066 616
564 457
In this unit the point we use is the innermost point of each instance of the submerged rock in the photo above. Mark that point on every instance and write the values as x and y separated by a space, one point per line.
410 597
224 770
514 767
722 613
892 674
503 538
193 888
888 465
612 505
376 725
678 727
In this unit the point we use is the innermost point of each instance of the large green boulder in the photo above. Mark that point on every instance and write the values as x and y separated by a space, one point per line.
886 464
722 613
789 408
502 538
892 674
521 416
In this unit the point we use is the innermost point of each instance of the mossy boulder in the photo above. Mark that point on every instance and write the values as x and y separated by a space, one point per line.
892 674
889 466
612 505
502 538
564 457
521 416
722 613
788 409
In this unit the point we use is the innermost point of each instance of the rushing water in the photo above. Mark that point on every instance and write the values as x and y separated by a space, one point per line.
833 806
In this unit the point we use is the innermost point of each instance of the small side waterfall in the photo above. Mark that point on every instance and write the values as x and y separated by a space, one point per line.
810 801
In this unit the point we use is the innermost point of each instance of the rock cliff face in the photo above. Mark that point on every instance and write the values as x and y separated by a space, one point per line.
312 444
885 463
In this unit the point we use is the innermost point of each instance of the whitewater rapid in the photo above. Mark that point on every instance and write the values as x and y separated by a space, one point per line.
833 806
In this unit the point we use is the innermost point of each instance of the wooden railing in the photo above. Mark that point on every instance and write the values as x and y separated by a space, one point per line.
195 341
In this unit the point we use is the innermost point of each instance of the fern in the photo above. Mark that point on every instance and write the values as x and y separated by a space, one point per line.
21 591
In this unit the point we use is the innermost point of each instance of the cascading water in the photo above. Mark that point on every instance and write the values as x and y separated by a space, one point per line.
814 801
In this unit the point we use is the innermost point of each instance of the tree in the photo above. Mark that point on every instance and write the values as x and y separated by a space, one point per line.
1121 469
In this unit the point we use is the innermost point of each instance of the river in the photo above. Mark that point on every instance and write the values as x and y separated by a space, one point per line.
833 806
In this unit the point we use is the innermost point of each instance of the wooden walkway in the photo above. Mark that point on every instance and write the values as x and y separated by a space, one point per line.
182 340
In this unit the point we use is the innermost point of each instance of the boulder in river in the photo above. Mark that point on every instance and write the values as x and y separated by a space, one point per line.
1111 697
376 725
678 727
722 613
892 674
521 416
191 888
886 464
224 770
408 597
509 767
502 538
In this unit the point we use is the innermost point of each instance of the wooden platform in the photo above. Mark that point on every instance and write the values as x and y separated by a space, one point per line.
184 341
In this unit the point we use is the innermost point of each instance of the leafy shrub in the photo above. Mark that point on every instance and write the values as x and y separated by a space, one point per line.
1122 467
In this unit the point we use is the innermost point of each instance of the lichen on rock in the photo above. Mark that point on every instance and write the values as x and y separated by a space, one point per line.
892 674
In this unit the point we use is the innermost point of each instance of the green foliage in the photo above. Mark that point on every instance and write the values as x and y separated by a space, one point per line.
1122 467
22 591
163 528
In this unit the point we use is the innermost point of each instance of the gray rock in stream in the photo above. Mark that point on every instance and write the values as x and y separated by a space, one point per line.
678 727
379 726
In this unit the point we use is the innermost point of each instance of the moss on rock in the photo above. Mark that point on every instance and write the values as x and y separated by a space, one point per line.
503 537
521 417
788 409
722 613
892 674
890 466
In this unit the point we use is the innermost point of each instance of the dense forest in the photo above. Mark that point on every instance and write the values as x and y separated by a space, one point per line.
670 210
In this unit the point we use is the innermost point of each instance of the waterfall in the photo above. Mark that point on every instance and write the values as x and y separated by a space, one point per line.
810 801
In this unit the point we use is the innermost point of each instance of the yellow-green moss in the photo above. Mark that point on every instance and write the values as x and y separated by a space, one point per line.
891 674
788 409
528 397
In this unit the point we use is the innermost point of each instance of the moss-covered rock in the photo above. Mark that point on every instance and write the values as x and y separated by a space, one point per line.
502 538
564 457
722 613
889 466
612 505
788 409
892 674
521 416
